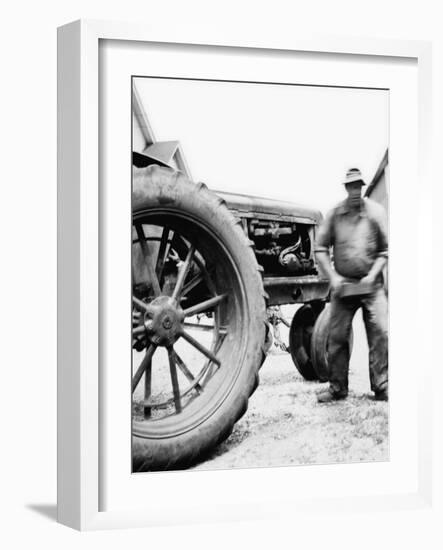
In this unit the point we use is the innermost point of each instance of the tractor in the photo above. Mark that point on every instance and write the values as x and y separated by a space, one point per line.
210 271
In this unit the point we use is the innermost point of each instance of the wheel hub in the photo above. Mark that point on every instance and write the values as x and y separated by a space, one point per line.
163 321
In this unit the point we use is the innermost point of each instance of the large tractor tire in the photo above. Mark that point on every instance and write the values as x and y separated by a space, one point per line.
300 336
198 320
319 344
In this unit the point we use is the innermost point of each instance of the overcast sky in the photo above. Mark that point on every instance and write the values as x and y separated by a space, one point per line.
279 141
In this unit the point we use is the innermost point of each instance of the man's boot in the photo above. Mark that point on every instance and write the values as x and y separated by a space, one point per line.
381 395
327 396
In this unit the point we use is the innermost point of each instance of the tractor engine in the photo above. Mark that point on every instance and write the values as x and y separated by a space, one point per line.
282 248
282 232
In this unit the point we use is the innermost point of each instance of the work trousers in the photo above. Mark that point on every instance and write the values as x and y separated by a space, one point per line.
375 317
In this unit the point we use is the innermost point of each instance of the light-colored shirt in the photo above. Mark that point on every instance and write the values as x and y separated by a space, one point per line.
357 238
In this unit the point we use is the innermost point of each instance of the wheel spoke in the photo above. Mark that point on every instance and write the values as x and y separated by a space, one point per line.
200 347
183 272
162 253
186 371
203 270
174 380
148 260
138 331
204 306
143 365
206 275
192 284
205 328
210 365
140 304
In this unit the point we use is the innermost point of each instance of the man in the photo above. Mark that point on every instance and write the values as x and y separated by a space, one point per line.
356 231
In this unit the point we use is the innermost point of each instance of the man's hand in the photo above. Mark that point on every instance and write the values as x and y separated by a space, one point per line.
375 271
336 281
369 279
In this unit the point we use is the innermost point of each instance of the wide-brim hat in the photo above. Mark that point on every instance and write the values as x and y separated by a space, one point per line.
352 175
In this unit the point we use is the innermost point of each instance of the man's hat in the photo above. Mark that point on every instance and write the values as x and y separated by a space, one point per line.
353 174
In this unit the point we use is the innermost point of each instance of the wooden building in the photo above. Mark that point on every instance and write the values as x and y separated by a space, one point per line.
378 189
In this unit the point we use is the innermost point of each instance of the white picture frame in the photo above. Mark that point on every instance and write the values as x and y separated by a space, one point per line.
79 256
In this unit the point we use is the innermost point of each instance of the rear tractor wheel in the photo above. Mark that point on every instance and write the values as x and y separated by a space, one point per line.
198 320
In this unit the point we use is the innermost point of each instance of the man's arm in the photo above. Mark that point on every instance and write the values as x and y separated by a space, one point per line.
379 219
375 271
324 261
324 241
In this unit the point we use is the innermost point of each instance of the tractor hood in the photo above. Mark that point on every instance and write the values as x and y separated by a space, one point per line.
250 206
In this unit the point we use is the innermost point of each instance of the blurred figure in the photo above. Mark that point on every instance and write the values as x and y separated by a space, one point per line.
355 231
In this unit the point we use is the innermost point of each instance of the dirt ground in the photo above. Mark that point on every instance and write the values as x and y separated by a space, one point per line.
284 425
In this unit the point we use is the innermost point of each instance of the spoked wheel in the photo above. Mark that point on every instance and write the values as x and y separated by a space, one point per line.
198 320
300 335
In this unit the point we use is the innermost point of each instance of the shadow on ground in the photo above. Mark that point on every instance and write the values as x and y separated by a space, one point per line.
49 511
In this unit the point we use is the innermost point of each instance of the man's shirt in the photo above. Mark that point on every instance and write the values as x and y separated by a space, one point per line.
358 238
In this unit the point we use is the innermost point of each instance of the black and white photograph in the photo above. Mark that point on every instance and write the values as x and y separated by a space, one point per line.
223 267
259 274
